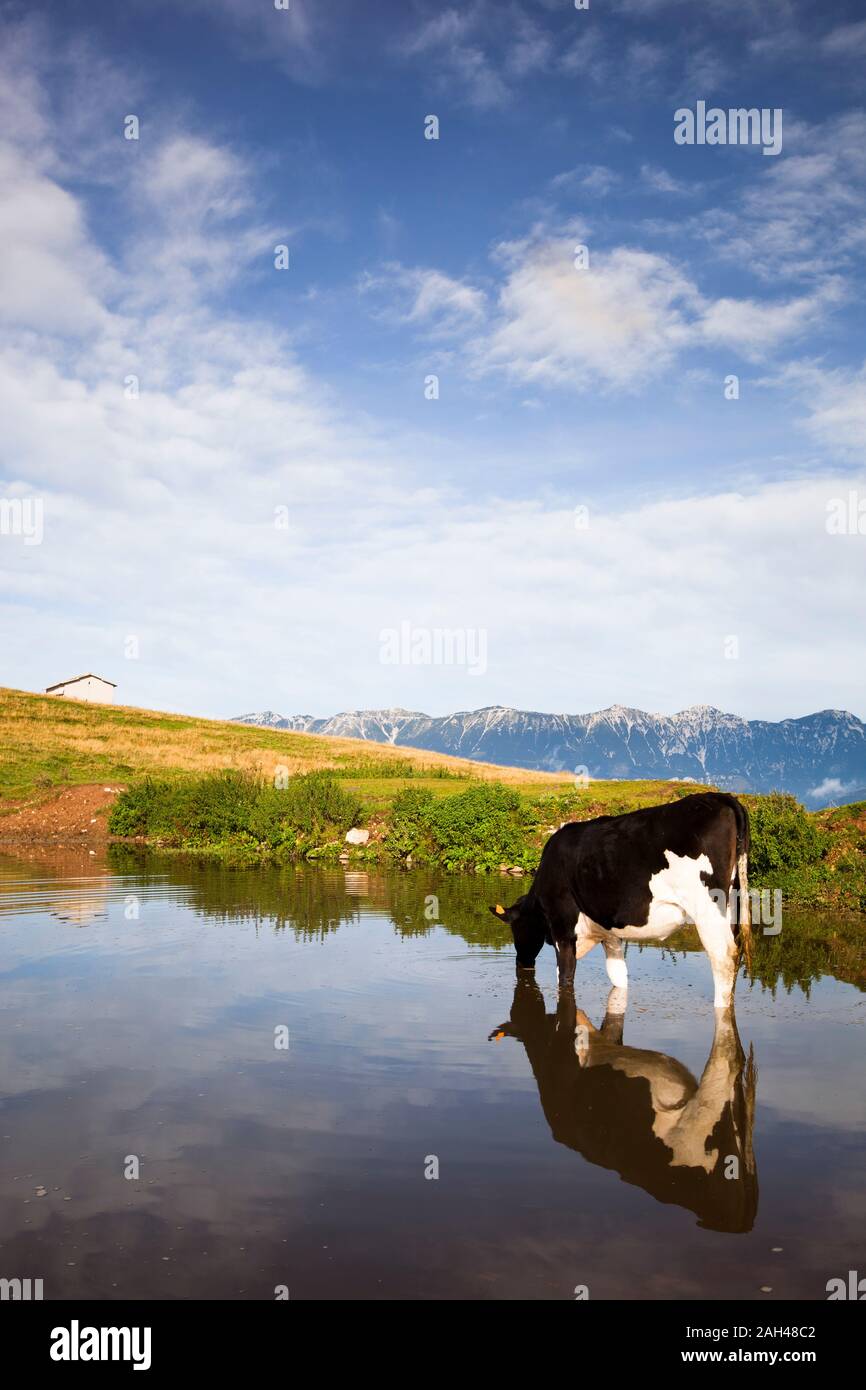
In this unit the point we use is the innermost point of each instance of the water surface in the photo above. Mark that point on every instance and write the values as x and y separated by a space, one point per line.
650 1155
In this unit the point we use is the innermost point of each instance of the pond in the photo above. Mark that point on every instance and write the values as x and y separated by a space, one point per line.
232 1084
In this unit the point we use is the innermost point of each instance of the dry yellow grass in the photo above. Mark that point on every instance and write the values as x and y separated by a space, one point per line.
47 740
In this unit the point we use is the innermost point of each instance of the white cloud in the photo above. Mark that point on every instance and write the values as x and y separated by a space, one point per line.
479 80
623 320
753 327
803 217
63 110
191 177
438 295
424 297
52 278
190 198
172 496
704 71
586 56
634 65
660 181
592 178
449 27
835 401
830 788
846 41
619 321
452 43
643 58
532 50
295 37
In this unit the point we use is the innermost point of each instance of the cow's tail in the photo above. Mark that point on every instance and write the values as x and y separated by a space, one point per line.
741 881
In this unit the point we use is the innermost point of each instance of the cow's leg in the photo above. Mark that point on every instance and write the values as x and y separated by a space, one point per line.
566 955
617 970
568 951
717 939
562 915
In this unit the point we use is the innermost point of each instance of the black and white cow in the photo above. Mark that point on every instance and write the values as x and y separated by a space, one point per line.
639 877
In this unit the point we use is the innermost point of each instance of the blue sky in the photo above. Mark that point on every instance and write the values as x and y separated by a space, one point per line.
281 492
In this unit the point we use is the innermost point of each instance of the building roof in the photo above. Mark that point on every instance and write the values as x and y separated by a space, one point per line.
87 676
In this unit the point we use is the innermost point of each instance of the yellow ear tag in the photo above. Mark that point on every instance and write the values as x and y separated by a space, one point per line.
500 910
499 1037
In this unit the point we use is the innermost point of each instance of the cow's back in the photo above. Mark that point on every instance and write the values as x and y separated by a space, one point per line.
606 864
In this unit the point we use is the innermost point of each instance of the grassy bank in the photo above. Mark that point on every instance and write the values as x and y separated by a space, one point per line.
479 827
465 824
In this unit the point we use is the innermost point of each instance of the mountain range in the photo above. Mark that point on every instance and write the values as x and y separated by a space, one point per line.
821 757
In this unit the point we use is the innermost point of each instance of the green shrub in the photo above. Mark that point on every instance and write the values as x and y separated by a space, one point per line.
481 828
316 801
237 807
784 836
135 810
409 828
220 805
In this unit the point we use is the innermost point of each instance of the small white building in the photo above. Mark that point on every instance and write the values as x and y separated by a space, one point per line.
87 687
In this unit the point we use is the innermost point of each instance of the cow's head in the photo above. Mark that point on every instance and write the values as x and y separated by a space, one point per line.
528 927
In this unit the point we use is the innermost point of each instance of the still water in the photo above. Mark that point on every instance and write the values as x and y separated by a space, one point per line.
655 1155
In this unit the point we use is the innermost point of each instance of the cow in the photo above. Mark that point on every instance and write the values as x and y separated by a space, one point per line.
640 1112
638 877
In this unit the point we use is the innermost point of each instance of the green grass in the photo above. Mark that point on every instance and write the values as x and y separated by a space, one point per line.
403 768
238 814
455 822
48 742
462 825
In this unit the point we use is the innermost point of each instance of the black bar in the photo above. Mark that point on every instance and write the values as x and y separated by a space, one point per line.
249 1337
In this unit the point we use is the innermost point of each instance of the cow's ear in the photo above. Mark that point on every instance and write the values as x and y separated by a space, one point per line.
500 911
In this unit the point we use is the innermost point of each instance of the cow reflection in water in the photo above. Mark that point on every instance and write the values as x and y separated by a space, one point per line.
642 1113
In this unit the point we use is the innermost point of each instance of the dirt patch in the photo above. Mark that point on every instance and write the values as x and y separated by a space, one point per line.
76 818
